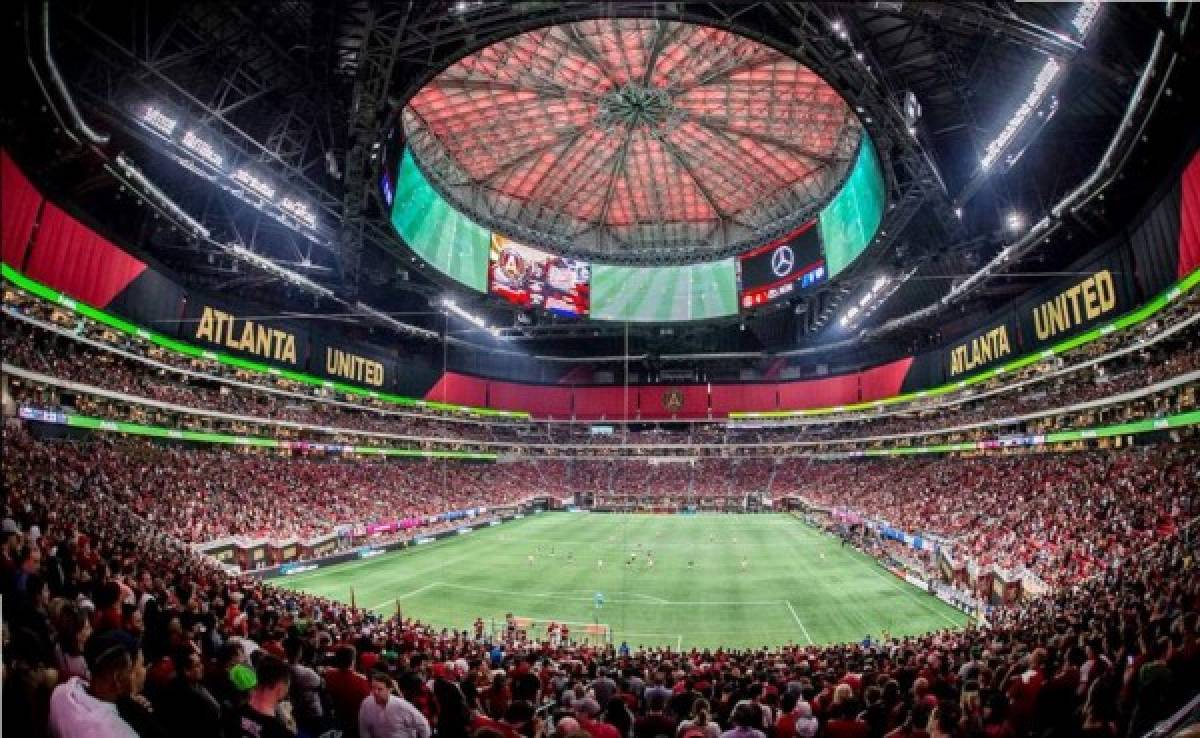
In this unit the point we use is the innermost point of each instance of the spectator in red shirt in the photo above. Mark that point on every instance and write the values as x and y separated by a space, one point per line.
347 689
586 712
844 722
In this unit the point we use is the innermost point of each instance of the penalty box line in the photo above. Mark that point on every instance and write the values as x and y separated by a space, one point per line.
799 622
649 600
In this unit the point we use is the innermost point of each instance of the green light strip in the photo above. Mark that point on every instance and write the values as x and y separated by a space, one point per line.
1131 318
1180 420
152 431
52 295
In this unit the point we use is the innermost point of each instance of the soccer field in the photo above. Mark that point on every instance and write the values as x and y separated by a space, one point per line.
797 584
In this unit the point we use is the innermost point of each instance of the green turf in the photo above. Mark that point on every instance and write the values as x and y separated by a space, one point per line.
787 593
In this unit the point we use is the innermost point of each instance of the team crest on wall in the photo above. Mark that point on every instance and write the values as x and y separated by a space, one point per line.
673 400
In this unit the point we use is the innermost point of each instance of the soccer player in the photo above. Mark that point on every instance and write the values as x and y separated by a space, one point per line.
745 563
691 564
599 563
530 558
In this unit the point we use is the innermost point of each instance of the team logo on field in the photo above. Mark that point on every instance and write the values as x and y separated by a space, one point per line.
673 400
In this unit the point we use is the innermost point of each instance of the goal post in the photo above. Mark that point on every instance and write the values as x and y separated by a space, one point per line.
595 634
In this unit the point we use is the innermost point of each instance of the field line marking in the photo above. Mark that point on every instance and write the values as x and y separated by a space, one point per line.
799 622
653 600
909 591
615 592
534 619
678 637
914 594
404 596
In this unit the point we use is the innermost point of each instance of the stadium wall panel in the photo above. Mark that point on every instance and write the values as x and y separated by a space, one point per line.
357 363
542 401
604 402
727 398
75 259
451 386
925 371
239 328
995 344
1095 292
152 300
811 393
1164 239
20 203
675 401
883 381
1189 223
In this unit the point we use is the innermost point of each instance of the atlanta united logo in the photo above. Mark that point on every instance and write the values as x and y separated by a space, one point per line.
673 400
512 264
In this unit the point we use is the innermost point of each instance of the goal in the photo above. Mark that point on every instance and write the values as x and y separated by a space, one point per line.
590 633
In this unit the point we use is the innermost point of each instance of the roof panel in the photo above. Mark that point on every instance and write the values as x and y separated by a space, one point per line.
638 130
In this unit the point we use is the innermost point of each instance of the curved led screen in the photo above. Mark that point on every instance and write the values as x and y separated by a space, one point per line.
446 239
666 293
486 262
849 221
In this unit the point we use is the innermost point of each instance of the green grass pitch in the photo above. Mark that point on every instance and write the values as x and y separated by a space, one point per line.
797 585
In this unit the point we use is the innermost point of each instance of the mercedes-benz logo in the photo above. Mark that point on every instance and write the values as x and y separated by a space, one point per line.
782 261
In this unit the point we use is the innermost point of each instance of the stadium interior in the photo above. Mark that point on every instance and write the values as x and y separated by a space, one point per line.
474 369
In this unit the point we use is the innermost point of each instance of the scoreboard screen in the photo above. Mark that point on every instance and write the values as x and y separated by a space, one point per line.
531 278
781 267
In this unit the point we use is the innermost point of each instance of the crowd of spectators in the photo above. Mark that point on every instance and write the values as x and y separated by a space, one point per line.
200 495
112 628
1060 517
1063 517
1043 386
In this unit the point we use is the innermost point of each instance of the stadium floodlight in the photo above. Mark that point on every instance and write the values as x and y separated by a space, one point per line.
391 322
462 7
880 290
202 150
157 196
1014 221
299 210
270 267
1085 15
257 185
470 317
159 121
1032 102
